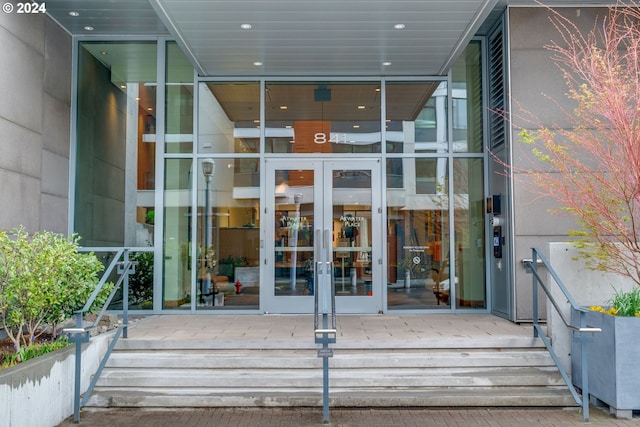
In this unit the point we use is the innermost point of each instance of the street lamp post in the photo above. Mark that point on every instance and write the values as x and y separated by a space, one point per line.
297 199
208 167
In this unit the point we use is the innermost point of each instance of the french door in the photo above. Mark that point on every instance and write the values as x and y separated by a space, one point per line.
340 201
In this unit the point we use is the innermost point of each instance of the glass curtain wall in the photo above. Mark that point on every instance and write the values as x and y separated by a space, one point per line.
336 118
178 180
417 196
468 179
433 153
115 157
228 233
228 196
431 180
115 169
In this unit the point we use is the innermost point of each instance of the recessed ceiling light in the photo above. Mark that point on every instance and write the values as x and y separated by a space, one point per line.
399 26
257 63
361 107
283 107
104 52
88 28
149 109
74 13
137 98
246 26
123 86
386 63
356 126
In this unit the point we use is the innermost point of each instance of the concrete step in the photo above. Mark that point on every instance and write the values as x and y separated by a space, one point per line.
353 378
200 374
451 342
428 397
418 358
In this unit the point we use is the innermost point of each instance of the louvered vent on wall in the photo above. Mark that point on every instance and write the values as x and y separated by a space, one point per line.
497 123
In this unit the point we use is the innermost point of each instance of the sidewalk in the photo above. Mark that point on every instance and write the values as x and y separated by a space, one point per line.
299 417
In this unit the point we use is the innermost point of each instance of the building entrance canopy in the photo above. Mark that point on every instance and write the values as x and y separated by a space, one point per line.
293 38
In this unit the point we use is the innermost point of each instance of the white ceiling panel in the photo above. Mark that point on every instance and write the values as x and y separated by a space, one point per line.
328 37
292 37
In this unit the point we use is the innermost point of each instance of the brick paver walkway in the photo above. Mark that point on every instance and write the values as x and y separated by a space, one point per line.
299 417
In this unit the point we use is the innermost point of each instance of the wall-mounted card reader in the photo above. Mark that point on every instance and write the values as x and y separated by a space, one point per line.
497 241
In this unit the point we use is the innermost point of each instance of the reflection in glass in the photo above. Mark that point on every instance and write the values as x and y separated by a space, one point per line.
229 117
228 240
322 118
176 292
179 102
352 232
140 282
416 118
115 169
294 239
417 234
469 232
466 77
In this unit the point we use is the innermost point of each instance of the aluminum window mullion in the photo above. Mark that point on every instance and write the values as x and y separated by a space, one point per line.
73 135
158 232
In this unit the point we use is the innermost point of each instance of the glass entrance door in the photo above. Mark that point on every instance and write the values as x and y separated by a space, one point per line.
307 198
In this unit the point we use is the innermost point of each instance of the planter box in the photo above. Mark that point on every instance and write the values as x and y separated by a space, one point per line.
39 392
612 356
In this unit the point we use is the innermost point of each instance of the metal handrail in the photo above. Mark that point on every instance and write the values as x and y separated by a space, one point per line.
324 334
80 333
532 267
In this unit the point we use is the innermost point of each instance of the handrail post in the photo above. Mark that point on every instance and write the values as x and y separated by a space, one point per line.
327 334
125 294
79 334
584 368
581 329
78 371
534 268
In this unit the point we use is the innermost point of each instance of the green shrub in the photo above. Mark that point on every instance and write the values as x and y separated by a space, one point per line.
43 280
25 353
141 282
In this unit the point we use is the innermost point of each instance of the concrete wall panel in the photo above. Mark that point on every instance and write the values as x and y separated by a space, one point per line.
534 29
57 75
55 128
539 85
54 213
21 71
533 216
34 122
20 196
20 149
536 84
523 281
55 174
28 28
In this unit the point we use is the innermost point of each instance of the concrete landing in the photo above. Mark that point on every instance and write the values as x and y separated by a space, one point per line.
357 331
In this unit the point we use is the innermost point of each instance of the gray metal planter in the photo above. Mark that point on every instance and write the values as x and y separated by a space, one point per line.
612 362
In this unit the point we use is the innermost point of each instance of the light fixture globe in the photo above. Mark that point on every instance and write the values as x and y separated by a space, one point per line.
208 167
